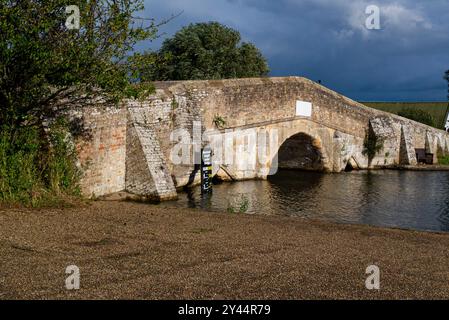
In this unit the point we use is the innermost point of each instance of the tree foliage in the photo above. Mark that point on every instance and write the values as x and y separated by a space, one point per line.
205 51
45 66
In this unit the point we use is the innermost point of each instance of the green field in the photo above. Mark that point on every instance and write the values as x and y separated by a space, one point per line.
436 109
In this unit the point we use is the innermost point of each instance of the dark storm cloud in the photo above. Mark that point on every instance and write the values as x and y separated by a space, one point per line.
328 40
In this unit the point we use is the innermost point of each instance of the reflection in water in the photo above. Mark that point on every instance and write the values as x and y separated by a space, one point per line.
404 199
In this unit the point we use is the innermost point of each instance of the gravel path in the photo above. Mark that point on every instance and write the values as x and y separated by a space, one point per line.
137 251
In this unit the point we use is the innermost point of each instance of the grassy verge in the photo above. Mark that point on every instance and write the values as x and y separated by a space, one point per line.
436 109
37 168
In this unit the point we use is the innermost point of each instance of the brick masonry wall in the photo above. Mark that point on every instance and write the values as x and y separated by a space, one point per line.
147 172
102 151
115 156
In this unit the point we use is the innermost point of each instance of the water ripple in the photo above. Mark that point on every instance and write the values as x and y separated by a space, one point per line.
412 200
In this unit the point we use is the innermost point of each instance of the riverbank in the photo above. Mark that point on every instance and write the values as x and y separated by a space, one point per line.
420 167
136 251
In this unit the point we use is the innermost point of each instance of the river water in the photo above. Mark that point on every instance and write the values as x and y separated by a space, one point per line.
402 199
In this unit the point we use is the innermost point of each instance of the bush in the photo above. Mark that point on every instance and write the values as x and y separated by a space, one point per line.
417 115
371 145
443 160
36 168
46 69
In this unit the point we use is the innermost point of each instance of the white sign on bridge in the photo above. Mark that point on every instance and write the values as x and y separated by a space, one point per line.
303 108
447 123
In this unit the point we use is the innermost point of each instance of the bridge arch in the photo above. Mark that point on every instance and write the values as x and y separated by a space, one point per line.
301 151
302 148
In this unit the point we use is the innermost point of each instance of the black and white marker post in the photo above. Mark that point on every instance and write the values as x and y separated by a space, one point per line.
206 171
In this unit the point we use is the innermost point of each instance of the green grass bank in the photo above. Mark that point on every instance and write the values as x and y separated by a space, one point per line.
436 109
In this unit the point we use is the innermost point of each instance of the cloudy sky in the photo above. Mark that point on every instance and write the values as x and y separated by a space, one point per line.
327 40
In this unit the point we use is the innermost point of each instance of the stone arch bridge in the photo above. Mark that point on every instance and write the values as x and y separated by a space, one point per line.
133 147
